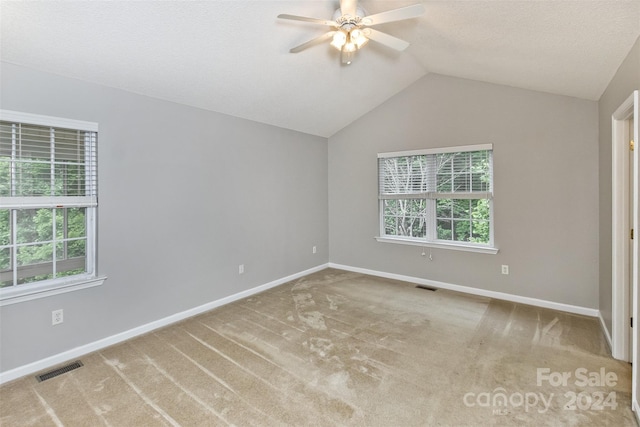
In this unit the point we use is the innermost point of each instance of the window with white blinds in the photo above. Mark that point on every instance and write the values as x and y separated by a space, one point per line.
48 200
437 195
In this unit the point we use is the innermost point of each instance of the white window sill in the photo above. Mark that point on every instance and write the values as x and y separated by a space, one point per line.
439 245
28 292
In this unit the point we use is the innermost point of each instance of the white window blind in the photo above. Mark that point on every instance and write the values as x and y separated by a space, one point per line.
39 164
437 194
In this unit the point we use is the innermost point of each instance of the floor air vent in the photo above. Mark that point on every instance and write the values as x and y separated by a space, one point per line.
427 288
63 370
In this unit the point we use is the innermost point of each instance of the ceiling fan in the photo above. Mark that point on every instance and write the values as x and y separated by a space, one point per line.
350 28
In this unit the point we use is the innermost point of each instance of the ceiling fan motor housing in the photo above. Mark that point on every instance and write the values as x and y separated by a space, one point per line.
360 13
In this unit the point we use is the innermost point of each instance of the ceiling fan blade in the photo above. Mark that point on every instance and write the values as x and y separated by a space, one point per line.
394 15
326 36
386 39
348 7
305 19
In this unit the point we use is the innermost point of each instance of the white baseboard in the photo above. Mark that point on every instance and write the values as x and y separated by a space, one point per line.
77 352
607 335
592 312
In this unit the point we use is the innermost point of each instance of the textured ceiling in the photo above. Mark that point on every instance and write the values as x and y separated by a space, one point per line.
232 56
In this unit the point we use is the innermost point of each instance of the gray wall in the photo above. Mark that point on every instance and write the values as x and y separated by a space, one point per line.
185 196
546 180
625 81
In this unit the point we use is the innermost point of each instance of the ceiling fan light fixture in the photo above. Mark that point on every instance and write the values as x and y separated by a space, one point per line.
339 39
349 47
346 56
357 37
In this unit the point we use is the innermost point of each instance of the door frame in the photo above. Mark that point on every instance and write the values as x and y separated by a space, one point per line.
625 215
622 222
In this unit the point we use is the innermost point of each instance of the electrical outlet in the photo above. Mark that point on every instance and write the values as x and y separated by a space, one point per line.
505 269
241 269
314 250
57 317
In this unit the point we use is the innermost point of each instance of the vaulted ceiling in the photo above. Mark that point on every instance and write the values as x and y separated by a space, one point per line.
233 57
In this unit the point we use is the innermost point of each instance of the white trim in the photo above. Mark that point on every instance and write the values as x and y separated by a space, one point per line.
131 333
31 202
575 309
621 223
635 253
451 246
458 149
636 410
21 293
437 195
605 330
38 119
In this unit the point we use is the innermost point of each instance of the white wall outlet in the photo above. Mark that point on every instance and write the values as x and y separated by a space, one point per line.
505 269
57 317
241 269
314 250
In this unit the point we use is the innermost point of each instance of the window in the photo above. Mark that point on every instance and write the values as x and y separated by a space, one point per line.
438 197
48 200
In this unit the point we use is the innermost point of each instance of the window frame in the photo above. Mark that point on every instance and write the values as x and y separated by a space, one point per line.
430 240
44 288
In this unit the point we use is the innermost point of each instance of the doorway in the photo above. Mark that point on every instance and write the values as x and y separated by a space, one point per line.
628 129
625 220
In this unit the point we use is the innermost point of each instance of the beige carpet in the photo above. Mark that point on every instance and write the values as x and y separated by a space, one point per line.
338 348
